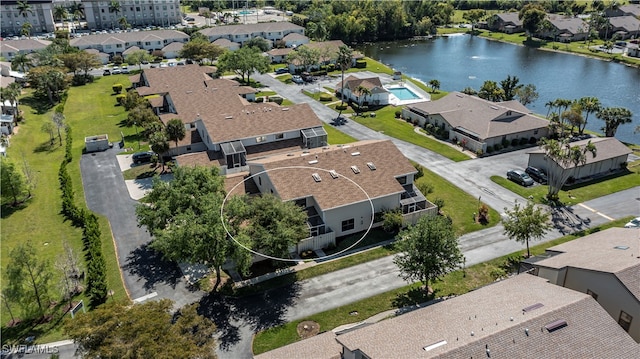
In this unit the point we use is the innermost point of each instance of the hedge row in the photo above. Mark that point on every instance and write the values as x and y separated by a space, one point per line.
96 288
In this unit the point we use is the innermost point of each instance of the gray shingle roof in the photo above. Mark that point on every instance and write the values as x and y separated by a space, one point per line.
250 28
606 148
128 37
25 45
626 23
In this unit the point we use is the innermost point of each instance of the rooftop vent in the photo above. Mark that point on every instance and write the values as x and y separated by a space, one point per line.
494 107
316 177
371 166
304 154
333 174
621 247
555 325
228 117
313 162
355 169
346 146
435 345
355 153
533 307
459 95
285 109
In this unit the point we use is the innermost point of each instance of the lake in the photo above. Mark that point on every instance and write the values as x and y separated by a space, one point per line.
461 61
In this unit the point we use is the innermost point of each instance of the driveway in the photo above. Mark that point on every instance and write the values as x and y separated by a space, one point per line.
145 274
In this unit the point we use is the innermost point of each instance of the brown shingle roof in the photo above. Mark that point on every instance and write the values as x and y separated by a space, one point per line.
606 148
205 158
291 183
353 82
23 45
495 316
322 346
280 52
481 116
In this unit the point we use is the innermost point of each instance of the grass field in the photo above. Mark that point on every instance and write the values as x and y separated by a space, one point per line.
581 192
454 283
337 137
40 220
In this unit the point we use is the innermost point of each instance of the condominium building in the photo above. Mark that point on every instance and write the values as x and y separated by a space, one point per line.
101 15
39 15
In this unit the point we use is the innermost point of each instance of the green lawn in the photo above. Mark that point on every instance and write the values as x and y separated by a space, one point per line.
454 283
337 137
581 192
386 123
40 220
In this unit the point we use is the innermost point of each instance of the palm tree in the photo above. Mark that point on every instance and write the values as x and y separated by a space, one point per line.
114 7
22 62
550 104
77 11
362 92
123 23
60 13
613 117
11 93
24 8
26 29
160 145
588 105
344 58
435 85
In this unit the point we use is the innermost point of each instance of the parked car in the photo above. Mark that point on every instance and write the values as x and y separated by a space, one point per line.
537 174
106 72
282 70
163 64
520 177
116 70
125 69
634 223
297 79
142 157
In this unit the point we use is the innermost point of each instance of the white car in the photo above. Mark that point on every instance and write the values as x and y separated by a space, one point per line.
634 223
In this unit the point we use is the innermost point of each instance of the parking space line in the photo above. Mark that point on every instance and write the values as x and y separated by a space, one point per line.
596 212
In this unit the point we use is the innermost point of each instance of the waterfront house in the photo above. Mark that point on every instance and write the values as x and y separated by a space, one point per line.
623 10
520 317
565 28
624 27
379 95
477 122
604 265
611 155
328 54
507 22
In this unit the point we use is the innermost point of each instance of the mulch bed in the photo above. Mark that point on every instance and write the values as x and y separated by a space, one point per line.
308 329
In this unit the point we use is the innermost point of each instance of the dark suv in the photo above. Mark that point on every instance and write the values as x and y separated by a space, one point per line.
537 174
142 157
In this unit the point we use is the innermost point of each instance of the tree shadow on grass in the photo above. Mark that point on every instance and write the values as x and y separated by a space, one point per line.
260 311
46 146
149 265
39 105
6 210
413 297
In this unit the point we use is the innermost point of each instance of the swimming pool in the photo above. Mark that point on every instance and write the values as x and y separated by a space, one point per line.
245 12
403 93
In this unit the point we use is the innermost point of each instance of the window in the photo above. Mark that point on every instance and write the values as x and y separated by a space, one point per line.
594 295
279 136
535 132
624 321
261 139
259 181
402 180
348 225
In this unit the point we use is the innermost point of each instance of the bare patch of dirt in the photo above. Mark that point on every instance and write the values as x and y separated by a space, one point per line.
308 329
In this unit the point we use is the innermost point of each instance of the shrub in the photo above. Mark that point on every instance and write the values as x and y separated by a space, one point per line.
479 153
497 147
515 142
117 59
81 79
392 221
117 88
120 98
260 99
483 214
361 64
325 97
398 113
523 141
276 99
341 107
533 141
505 143
415 122
331 67
489 149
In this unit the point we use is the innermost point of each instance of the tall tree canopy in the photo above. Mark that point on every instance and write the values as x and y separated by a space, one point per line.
522 223
200 49
532 16
15 188
613 117
244 62
429 250
563 159
149 330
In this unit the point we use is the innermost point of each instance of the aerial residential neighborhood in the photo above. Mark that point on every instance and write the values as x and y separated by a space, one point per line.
238 179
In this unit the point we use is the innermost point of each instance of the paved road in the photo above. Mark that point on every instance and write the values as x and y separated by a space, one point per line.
144 273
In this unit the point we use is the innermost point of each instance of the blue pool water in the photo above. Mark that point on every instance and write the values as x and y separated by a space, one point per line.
403 93
245 12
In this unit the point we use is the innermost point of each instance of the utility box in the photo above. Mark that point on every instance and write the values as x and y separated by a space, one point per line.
96 143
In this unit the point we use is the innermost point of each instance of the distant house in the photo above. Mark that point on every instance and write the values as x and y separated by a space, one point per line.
479 122
6 124
240 33
610 156
565 29
623 10
328 53
604 265
226 44
279 56
10 48
520 317
624 27
104 58
633 50
379 95
507 22
295 39
172 50
117 43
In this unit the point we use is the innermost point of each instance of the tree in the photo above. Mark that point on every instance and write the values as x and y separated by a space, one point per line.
523 223
48 81
573 116
68 265
48 127
159 144
175 130
473 16
273 225
429 249
344 59
138 57
58 122
527 94
14 186
491 92
26 29
27 279
114 8
243 62
613 117
305 56
24 8
588 105
435 85
60 13
12 94
199 49
258 42
119 330
76 9
469 91
510 85
183 216
362 92
22 62
563 160
532 16
124 23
